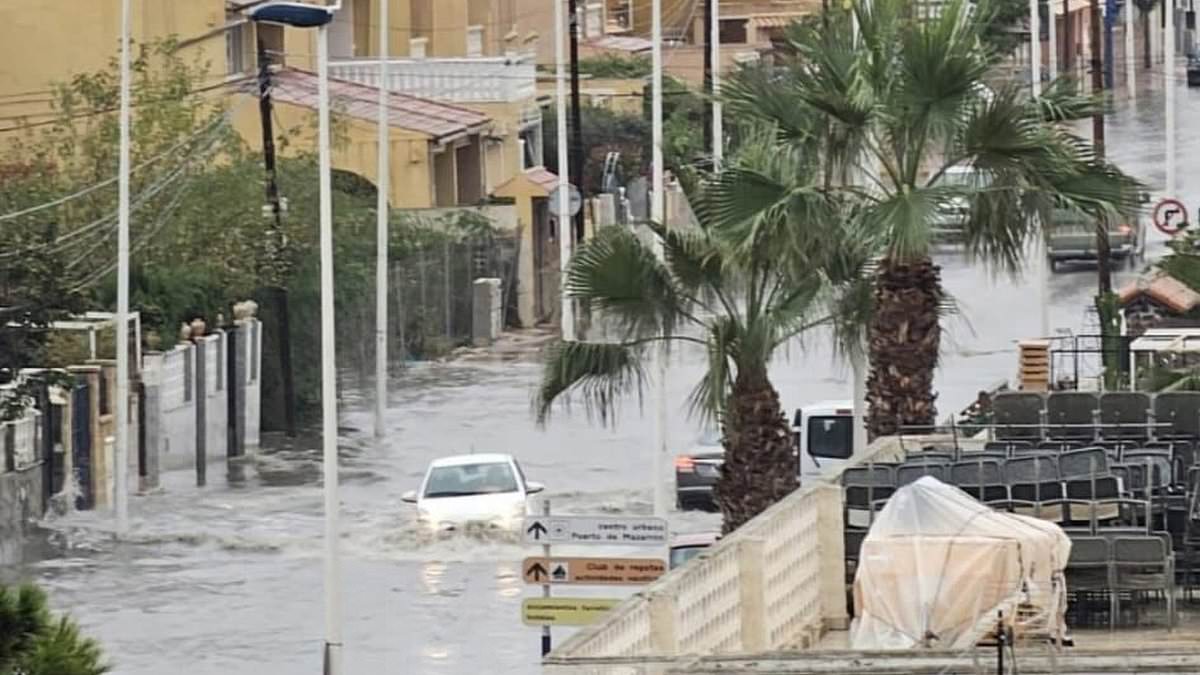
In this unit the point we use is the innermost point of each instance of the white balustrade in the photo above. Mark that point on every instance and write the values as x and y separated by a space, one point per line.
455 80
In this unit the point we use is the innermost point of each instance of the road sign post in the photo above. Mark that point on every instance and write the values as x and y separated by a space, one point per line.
596 530
545 588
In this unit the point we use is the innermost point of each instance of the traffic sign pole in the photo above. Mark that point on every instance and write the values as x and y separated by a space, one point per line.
546 554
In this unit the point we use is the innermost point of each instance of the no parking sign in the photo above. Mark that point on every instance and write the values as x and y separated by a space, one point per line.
1170 216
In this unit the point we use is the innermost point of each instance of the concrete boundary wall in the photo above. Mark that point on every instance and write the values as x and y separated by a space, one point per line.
777 583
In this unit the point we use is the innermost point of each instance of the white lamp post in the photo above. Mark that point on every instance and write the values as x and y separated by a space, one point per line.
121 451
301 15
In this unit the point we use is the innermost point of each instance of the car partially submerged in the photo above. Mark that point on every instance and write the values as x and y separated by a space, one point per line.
1071 237
485 491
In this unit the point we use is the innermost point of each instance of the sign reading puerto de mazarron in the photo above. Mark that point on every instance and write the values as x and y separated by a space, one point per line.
602 530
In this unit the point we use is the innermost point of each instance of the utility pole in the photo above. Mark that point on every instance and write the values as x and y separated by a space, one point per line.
1169 91
121 451
708 71
275 274
567 318
576 116
657 215
382 191
1051 41
1102 245
718 121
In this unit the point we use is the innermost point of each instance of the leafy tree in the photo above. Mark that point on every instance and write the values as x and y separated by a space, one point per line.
740 288
32 642
890 112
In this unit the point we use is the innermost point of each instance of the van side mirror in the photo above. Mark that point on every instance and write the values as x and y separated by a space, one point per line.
1143 197
409 497
533 487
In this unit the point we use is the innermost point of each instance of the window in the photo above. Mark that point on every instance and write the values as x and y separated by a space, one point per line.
831 437
220 361
470 479
593 25
236 62
733 31
475 41
417 47
254 349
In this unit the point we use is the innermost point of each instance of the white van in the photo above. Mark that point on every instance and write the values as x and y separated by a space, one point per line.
824 433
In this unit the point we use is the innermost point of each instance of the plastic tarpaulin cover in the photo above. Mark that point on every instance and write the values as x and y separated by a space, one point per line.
937 566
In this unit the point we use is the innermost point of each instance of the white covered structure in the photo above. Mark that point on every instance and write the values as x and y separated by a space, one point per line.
937 568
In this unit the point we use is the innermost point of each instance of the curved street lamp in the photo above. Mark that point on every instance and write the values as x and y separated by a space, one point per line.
300 15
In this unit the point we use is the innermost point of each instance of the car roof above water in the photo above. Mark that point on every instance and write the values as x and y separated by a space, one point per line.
481 458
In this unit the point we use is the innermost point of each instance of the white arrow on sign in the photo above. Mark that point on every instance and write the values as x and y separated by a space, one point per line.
602 530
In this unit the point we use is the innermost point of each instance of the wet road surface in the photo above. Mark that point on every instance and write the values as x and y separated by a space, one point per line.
226 580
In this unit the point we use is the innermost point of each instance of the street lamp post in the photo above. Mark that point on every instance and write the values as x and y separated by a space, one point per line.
121 450
302 15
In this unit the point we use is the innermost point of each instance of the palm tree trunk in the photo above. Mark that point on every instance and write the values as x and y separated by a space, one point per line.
760 464
904 341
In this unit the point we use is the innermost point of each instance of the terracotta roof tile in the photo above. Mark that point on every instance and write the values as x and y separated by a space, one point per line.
434 118
1163 289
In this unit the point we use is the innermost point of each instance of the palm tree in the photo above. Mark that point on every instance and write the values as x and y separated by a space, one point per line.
890 111
34 643
740 288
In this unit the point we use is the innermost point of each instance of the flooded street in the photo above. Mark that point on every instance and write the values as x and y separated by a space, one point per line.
226 580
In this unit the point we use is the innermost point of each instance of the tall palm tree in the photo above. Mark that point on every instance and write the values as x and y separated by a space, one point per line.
890 110
740 288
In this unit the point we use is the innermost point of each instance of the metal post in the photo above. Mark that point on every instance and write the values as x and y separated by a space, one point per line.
1130 60
1035 49
383 192
718 124
121 455
577 149
657 216
564 197
1169 88
859 366
333 614
546 587
1052 43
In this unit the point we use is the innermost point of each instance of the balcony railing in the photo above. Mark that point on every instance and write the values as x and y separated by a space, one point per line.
455 80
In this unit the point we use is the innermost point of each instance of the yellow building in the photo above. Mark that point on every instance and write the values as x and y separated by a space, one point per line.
464 118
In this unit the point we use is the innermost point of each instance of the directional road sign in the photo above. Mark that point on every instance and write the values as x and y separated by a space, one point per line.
564 611
1170 216
593 571
603 530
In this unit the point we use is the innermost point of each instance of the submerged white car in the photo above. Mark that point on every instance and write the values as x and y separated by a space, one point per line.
487 491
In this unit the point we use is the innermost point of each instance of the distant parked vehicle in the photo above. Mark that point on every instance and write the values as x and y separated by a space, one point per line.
824 431
1072 237
486 490
950 218
684 547
1193 71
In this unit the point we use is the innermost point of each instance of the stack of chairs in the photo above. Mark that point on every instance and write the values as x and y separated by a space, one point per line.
1118 471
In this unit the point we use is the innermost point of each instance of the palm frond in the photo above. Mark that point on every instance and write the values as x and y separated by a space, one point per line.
621 276
600 373
707 401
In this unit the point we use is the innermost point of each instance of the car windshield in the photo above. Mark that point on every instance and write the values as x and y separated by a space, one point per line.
470 479
710 437
683 554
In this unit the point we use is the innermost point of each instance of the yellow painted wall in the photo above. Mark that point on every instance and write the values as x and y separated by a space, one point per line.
410 172
47 41
620 95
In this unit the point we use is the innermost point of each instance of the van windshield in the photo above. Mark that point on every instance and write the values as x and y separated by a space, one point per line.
831 437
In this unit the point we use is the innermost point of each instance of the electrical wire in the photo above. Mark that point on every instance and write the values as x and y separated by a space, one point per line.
216 123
